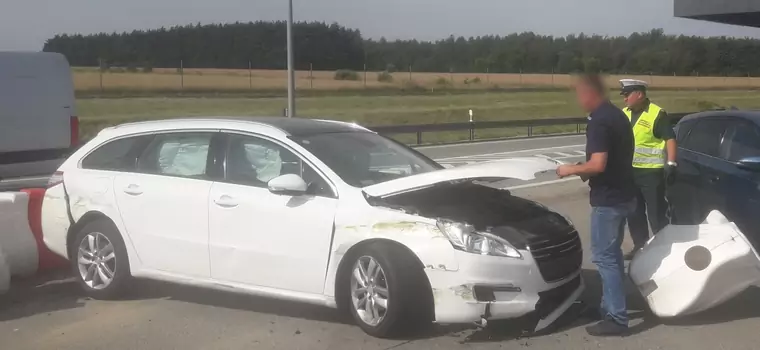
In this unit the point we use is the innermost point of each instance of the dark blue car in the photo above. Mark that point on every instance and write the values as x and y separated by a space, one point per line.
718 168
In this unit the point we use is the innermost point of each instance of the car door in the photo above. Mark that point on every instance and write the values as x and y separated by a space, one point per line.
164 205
703 143
740 187
265 239
683 195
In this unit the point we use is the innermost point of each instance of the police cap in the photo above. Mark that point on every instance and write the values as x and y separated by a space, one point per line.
630 85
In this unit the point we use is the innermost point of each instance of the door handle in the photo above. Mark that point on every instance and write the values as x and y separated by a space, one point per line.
226 201
133 190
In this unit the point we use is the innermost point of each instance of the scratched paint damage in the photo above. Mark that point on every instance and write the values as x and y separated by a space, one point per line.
464 291
442 297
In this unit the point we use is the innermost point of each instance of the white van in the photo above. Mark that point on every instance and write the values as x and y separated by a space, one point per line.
38 123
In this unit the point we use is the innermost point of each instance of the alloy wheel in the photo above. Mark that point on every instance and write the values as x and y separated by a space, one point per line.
96 260
369 291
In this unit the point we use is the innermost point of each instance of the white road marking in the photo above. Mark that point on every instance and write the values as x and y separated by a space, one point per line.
565 154
580 153
513 152
543 183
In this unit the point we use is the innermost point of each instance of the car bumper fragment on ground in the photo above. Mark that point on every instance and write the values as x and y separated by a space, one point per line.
687 269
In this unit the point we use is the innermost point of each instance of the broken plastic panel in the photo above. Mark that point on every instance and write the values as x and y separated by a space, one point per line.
686 269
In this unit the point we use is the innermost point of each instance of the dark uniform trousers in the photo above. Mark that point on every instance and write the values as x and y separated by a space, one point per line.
651 205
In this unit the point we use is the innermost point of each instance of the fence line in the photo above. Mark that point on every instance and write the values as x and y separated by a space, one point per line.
529 126
148 78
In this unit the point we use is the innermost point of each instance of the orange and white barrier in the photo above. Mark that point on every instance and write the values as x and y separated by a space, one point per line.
22 250
47 259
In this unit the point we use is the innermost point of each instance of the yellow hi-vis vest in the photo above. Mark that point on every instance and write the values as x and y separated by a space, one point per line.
649 151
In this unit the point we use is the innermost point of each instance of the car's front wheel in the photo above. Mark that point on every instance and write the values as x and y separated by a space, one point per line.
99 260
388 295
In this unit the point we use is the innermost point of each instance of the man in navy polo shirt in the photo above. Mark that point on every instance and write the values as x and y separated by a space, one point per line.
609 152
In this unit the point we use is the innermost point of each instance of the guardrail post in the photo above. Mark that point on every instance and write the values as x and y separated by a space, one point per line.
472 127
578 128
419 137
530 131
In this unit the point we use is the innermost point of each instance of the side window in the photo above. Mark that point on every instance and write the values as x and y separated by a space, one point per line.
706 136
254 161
682 130
742 140
177 154
118 155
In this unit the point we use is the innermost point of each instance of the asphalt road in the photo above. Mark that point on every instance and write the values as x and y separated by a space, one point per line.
54 315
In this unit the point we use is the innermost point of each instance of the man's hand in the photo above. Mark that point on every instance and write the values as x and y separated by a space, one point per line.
670 173
564 170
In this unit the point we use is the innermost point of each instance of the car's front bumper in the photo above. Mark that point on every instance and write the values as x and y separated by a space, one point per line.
497 288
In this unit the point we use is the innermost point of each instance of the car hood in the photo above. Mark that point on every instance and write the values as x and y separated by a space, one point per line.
522 168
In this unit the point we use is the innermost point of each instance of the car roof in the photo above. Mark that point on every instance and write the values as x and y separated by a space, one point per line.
279 125
749 115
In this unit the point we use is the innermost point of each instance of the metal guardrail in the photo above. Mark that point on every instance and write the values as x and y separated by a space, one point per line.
419 129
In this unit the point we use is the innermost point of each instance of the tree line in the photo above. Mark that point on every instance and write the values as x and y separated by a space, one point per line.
262 45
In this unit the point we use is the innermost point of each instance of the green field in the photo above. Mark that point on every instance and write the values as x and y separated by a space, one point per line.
96 113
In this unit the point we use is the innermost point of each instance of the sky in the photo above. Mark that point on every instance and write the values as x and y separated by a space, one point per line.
26 24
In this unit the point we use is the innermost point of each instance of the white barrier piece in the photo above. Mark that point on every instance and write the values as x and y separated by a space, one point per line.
686 269
16 238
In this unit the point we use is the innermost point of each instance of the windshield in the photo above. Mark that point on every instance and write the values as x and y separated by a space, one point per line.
362 159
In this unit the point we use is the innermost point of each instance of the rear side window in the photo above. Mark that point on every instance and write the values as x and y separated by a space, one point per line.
742 140
706 136
117 155
177 154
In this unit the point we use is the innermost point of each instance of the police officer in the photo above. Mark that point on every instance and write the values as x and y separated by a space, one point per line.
653 161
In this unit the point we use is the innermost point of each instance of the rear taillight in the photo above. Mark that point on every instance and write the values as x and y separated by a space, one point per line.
74 123
56 179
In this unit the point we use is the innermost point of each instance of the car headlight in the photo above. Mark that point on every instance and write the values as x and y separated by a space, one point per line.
465 238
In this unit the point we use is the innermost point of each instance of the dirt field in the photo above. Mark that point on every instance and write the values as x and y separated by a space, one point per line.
89 79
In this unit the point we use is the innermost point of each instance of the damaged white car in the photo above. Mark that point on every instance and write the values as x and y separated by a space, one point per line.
312 211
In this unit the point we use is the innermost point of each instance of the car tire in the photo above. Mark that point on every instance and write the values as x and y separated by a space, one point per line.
403 286
102 272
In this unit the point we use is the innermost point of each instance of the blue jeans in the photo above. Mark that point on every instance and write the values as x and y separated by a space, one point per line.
607 230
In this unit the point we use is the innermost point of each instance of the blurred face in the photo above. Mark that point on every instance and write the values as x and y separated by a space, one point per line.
587 97
633 99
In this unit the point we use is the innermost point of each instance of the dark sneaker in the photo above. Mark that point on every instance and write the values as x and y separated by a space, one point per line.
631 254
606 328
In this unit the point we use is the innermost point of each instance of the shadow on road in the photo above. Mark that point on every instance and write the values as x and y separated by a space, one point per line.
239 301
745 306
40 294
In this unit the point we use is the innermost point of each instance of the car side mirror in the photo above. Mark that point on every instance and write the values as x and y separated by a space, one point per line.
288 184
749 163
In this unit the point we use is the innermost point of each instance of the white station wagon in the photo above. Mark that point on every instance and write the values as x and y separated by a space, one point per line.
311 211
